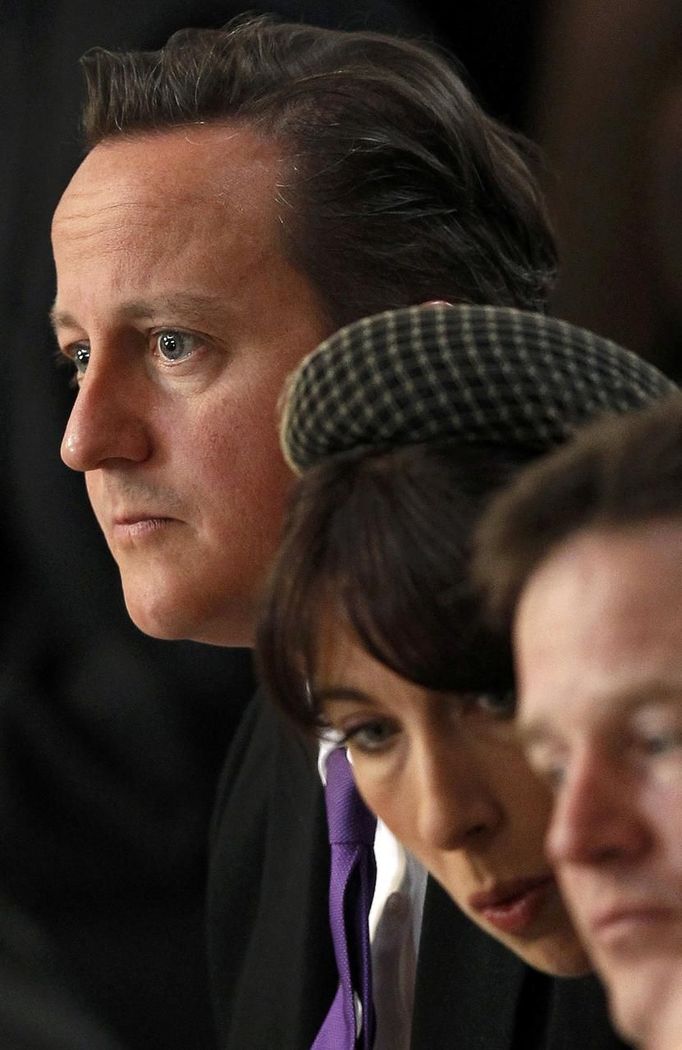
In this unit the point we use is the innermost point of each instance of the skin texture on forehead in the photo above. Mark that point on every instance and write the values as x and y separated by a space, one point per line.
179 231
631 573
127 190
599 648
197 161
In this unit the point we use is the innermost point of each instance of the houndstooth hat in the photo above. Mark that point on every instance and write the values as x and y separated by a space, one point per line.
487 374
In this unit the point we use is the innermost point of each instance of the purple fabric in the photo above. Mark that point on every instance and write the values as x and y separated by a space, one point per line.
351 885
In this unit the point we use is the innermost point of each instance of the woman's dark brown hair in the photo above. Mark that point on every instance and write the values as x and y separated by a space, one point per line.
381 538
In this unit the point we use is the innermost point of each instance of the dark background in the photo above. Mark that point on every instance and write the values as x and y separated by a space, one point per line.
110 742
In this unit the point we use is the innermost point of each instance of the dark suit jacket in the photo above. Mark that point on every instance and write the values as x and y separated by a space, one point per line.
38 1009
271 959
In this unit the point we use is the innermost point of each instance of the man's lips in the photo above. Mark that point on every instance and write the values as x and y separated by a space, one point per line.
512 906
630 921
138 525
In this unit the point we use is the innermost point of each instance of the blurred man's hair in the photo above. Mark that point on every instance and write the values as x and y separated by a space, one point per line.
616 474
394 186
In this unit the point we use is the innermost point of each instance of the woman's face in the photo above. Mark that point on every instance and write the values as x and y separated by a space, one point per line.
445 774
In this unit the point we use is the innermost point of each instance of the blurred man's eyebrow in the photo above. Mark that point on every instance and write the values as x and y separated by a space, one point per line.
622 702
189 305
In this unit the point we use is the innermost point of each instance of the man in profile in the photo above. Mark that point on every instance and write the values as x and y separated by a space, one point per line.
584 556
247 192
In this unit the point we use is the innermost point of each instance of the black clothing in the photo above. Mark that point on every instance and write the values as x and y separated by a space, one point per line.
271 958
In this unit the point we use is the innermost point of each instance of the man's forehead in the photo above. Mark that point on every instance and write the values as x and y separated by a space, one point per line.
599 629
198 161
607 567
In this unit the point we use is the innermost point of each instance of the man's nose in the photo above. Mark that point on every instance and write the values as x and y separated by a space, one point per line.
595 817
107 422
455 803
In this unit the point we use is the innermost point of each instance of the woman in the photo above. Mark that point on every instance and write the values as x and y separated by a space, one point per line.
370 635
399 672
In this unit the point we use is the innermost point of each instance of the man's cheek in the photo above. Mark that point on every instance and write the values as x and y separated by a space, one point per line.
94 489
574 892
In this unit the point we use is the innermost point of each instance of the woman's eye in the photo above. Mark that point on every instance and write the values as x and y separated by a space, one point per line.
370 736
175 346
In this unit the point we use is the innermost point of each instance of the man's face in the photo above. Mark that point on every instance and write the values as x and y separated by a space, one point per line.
598 639
182 316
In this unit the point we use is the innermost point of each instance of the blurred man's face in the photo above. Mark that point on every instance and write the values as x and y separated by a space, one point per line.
599 645
182 316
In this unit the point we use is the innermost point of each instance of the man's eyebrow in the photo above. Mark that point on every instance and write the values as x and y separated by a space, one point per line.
180 305
61 319
169 306
653 689
621 702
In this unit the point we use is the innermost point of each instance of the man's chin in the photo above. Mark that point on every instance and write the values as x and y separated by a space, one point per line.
174 617
646 1003
156 610
156 625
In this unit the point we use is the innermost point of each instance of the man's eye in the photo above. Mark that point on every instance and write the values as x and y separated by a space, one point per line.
80 355
553 775
174 346
500 705
548 767
661 743
656 731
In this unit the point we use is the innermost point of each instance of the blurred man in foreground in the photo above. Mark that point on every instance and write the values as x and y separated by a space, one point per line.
584 556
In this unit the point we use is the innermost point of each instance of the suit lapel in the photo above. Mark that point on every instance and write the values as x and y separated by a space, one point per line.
468 985
474 994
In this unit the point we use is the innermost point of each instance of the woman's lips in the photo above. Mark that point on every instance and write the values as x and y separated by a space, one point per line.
512 906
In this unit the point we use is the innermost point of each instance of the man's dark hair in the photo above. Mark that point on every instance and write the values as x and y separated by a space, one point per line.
394 188
616 474
381 539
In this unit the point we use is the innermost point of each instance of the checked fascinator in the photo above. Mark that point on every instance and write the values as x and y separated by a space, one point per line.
486 374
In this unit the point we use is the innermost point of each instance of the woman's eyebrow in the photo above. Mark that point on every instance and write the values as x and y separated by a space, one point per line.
340 692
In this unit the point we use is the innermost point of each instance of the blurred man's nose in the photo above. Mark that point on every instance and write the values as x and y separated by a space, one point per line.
595 818
107 420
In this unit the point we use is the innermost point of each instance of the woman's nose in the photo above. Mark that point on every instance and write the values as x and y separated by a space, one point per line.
455 802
